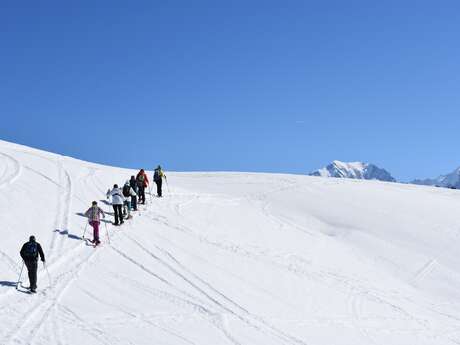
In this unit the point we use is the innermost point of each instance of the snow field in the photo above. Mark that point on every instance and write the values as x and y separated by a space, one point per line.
228 258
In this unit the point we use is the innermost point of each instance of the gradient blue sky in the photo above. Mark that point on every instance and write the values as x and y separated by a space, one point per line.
274 86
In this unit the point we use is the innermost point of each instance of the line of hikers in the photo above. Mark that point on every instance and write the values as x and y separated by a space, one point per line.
123 201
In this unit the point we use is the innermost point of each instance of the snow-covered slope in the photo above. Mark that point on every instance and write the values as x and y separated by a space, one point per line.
229 258
354 170
448 181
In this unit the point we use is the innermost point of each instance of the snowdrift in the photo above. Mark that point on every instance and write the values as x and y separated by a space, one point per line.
228 258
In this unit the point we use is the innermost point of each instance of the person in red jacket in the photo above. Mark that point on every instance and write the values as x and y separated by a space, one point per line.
142 183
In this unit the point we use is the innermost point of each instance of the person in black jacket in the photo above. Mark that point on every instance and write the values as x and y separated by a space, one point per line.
133 185
29 253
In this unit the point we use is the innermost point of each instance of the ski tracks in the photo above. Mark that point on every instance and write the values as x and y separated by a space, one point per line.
12 170
61 223
216 298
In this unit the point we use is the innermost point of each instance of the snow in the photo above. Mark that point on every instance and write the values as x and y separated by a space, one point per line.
228 258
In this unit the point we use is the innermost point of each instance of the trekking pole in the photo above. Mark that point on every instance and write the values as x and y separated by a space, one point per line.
20 274
107 232
167 185
84 232
47 272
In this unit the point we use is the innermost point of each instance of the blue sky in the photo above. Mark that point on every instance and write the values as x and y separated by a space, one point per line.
274 86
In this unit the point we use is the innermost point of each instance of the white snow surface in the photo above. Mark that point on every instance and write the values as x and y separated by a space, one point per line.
228 258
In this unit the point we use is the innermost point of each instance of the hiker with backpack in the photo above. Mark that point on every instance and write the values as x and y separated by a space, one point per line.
128 193
142 183
117 203
29 253
94 218
158 178
133 184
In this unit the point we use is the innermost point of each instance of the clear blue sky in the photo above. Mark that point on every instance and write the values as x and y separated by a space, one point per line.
275 86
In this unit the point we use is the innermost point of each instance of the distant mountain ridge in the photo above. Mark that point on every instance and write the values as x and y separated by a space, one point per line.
451 180
354 170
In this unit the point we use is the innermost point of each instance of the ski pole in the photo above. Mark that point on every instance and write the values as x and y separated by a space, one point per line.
167 185
107 232
20 274
84 232
47 272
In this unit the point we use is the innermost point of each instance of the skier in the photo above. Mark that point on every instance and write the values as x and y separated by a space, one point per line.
142 183
158 178
94 218
117 203
29 253
128 193
133 185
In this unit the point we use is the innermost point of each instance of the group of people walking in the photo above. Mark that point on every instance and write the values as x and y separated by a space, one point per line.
124 200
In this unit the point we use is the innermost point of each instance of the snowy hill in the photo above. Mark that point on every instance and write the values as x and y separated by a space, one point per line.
228 258
448 181
354 170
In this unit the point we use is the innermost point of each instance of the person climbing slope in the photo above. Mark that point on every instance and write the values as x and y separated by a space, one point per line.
117 203
158 178
142 183
128 193
29 253
94 218
133 184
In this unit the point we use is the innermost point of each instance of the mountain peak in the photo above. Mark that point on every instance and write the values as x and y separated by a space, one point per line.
354 170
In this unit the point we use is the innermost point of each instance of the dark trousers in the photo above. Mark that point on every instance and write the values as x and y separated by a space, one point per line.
141 194
134 202
32 267
118 214
159 183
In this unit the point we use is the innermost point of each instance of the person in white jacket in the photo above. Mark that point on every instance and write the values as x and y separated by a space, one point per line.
128 193
117 203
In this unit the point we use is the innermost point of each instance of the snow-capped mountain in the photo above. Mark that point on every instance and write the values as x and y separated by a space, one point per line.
355 170
451 180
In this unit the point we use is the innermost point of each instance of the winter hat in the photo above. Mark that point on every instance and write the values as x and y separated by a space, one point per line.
32 238
94 203
115 186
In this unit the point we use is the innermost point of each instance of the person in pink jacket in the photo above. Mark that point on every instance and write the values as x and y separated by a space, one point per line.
94 218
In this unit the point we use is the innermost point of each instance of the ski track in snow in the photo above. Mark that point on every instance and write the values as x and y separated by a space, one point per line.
11 171
216 297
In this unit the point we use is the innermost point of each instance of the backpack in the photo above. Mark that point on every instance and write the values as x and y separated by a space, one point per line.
140 180
31 250
126 190
156 175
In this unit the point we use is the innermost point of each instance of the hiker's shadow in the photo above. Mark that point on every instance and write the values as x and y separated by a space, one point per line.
106 202
7 283
68 234
13 285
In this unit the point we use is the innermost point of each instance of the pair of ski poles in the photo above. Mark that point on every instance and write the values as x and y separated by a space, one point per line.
106 231
22 268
